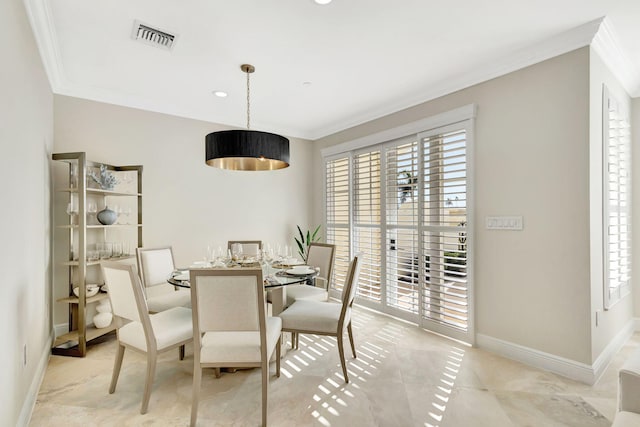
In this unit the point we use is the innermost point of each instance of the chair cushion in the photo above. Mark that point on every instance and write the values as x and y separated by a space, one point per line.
305 315
170 327
305 292
165 301
239 346
626 419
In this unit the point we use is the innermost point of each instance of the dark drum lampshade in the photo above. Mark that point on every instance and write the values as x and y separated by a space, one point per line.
247 150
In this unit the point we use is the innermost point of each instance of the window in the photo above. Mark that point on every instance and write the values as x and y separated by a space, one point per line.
405 203
616 200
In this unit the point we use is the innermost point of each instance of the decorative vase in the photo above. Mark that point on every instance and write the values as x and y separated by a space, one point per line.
102 320
107 216
104 307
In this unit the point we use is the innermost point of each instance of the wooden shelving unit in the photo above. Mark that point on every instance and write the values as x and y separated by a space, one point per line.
76 189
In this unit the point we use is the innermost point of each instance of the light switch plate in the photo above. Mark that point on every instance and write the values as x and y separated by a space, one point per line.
504 222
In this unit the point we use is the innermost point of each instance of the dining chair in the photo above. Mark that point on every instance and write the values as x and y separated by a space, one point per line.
231 328
138 330
320 255
249 247
325 317
154 267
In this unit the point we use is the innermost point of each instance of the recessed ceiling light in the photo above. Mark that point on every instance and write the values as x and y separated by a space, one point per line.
306 84
322 1
220 94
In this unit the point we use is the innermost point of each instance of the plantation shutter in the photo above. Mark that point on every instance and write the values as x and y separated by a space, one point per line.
617 201
402 200
337 215
366 218
444 215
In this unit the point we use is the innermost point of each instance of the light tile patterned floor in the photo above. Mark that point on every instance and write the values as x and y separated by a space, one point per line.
403 376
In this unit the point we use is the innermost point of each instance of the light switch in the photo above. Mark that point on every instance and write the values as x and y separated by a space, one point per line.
504 223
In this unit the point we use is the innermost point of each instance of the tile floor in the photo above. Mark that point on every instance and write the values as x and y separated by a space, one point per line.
403 376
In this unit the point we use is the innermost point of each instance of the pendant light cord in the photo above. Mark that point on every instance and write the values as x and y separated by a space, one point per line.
248 103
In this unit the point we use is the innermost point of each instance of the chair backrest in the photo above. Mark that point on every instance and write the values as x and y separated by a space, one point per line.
350 287
155 265
249 247
125 291
227 300
322 255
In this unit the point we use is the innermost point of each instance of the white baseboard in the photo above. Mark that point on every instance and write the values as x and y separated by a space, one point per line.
614 346
538 359
30 401
578 371
60 329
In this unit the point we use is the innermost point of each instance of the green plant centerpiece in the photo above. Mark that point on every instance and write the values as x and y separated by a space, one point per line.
305 241
106 180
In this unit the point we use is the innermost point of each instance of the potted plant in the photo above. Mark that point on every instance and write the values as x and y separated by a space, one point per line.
305 241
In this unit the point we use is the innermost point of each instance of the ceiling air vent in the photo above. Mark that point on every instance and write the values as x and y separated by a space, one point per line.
153 36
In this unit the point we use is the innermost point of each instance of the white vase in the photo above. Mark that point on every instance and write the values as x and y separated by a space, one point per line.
104 307
102 320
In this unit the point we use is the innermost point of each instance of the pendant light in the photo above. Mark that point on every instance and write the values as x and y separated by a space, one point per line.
247 150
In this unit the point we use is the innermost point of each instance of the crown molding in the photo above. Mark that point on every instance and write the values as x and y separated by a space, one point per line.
606 45
41 20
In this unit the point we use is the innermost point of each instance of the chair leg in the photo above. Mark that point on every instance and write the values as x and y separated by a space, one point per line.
265 383
278 350
217 372
353 345
195 394
151 372
181 352
341 351
116 368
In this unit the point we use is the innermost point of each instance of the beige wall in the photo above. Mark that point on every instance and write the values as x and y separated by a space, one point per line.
612 321
532 159
26 135
186 203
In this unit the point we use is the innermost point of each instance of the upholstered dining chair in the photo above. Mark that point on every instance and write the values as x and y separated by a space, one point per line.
231 328
324 317
137 329
154 266
320 255
249 247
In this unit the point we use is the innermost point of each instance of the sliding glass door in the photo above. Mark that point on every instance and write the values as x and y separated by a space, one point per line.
408 213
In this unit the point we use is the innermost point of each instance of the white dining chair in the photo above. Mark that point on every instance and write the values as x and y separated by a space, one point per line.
248 247
320 255
154 266
137 329
324 317
231 328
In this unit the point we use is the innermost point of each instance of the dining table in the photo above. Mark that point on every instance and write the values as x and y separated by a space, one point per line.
277 276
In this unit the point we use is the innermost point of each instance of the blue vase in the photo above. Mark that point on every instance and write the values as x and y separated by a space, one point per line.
107 216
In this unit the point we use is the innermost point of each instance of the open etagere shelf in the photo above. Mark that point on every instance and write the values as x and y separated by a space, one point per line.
79 233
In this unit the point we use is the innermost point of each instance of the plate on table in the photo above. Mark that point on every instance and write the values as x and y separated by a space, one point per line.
181 275
300 271
287 264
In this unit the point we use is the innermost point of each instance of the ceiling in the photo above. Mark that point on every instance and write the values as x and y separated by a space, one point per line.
319 69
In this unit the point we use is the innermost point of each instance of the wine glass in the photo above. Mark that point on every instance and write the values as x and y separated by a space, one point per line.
92 209
72 211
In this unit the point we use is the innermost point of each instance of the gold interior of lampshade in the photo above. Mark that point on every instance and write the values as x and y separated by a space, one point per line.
247 164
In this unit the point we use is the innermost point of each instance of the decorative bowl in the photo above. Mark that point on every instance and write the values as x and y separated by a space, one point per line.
91 290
